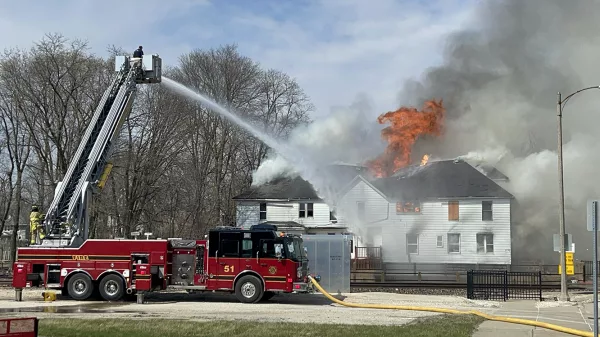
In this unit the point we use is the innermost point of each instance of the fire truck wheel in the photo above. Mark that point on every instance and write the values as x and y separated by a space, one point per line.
112 287
248 289
80 287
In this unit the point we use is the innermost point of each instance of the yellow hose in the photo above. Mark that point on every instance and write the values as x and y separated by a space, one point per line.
453 311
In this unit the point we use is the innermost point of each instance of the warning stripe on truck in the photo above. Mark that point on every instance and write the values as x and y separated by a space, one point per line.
73 257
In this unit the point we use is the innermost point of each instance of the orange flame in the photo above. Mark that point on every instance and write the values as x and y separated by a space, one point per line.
424 160
407 125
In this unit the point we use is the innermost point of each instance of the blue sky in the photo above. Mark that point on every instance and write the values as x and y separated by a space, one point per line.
336 49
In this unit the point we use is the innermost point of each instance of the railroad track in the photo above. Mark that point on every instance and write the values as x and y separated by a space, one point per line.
5 281
448 285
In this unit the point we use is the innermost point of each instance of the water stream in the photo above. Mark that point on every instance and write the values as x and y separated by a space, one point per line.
305 167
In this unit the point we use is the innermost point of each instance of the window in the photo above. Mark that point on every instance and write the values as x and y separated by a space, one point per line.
268 249
452 210
360 210
229 248
485 243
332 217
306 210
408 207
263 211
247 248
486 211
453 243
412 244
440 241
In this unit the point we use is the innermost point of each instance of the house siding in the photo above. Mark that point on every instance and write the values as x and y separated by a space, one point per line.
377 213
433 222
383 227
248 213
289 211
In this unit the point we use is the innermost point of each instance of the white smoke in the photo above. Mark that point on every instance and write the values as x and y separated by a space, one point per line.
349 135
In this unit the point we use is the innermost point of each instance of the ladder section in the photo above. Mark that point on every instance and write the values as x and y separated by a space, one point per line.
67 220
57 212
96 161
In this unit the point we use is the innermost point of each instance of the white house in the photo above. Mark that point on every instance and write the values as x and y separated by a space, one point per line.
289 203
444 212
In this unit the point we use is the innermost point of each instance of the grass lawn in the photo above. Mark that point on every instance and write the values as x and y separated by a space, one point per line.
446 326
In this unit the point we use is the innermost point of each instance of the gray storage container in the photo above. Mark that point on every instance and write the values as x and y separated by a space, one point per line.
329 257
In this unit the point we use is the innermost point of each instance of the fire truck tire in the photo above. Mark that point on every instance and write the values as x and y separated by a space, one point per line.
80 287
112 287
248 289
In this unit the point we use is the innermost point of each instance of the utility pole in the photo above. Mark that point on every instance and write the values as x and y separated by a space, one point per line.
564 296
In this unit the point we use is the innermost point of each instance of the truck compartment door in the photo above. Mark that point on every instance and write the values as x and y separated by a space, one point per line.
200 269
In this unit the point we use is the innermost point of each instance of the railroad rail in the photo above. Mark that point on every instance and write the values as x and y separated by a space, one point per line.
447 285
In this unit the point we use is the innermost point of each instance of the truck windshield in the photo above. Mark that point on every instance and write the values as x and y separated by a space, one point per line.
295 249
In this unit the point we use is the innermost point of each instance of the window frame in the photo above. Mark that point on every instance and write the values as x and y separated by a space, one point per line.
489 211
361 214
450 244
404 207
485 243
306 210
439 241
412 244
261 211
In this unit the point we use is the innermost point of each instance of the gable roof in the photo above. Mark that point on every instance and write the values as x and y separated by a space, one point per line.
355 181
491 172
440 179
282 188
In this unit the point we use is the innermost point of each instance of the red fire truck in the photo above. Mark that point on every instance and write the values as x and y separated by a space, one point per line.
254 264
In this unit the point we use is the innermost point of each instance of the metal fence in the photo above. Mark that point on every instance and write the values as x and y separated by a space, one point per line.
503 285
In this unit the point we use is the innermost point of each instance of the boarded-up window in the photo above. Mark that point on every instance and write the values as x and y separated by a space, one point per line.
452 210
408 207
263 211
486 211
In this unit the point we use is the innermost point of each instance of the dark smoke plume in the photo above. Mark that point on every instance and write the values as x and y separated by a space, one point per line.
499 81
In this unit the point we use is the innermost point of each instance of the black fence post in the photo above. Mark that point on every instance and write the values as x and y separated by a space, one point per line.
540 284
505 285
470 284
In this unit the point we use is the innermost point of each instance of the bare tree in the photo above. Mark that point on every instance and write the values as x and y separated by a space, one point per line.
61 84
177 165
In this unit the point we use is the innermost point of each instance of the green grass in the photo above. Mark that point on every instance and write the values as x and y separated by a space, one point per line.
446 326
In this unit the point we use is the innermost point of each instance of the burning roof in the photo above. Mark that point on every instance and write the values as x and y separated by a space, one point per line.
439 179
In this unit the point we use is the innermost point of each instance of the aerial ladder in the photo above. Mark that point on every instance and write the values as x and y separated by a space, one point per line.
67 220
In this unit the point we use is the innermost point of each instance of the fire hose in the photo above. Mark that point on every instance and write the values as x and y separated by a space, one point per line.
456 312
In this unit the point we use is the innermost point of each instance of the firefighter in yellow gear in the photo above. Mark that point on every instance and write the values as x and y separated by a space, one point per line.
35 225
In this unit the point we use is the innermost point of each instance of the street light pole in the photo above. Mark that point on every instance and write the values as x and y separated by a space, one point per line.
564 296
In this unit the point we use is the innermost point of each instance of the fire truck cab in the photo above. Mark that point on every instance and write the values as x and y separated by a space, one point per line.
254 264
